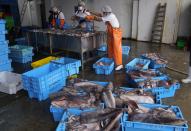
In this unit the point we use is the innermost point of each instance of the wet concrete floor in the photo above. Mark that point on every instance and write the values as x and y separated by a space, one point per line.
20 113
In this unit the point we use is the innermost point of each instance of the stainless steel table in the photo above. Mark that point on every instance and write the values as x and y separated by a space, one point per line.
75 41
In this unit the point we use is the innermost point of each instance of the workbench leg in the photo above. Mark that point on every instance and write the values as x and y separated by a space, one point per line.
82 60
27 38
36 41
50 41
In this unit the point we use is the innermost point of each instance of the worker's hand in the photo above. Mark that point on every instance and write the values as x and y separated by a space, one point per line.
90 17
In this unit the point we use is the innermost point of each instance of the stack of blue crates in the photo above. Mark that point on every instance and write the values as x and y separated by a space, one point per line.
5 63
21 53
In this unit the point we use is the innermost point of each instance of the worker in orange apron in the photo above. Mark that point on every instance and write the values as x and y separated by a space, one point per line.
114 34
59 18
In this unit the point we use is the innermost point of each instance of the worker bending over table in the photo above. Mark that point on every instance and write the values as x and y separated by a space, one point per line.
56 18
80 16
114 34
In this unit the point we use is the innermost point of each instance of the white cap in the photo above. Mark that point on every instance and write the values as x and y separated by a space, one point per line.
107 9
55 9
81 3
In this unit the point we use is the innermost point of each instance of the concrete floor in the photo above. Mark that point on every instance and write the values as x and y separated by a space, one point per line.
19 113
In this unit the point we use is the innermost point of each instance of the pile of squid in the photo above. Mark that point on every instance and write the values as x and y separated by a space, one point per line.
156 57
86 94
143 74
152 83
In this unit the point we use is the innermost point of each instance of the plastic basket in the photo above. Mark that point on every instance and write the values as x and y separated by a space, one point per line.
163 91
131 64
125 50
4 42
140 126
6 66
61 126
70 65
2 24
105 69
23 59
3 47
153 64
21 41
2 35
42 81
4 58
157 95
43 61
20 50
160 77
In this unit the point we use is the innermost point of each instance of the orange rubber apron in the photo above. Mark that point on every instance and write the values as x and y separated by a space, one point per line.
114 42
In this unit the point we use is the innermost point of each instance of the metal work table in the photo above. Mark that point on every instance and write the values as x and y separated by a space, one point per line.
76 41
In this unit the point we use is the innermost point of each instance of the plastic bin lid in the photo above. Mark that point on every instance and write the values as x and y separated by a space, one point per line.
2 21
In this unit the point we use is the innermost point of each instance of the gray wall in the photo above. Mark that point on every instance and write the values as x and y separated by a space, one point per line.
32 15
136 23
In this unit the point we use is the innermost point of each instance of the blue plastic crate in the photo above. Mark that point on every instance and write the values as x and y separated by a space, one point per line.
67 114
161 76
21 41
140 126
23 59
131 64
103 48
153 64
106 69
6 66
3 47
125 50
5 42
20 50
157 95
163 91
4 58
71 66
43 81
2 35
2 24
58 112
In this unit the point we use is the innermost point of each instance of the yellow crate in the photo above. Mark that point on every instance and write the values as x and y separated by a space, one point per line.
43 61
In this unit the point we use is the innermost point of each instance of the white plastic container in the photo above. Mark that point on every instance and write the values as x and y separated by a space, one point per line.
10 82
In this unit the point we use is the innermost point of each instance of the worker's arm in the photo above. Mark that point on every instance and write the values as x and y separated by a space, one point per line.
96 13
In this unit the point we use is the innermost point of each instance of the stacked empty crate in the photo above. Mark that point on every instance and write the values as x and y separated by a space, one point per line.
5 63
49 78
21 53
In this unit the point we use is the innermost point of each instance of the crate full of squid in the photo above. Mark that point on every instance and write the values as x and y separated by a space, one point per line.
134 76
166 88
137 64
100 120
156 60
79 96
124 94
153 117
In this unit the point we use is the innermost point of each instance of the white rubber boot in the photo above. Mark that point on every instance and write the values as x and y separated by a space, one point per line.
119 67
188 79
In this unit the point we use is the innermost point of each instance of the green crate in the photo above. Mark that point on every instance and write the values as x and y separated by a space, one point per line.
181 44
